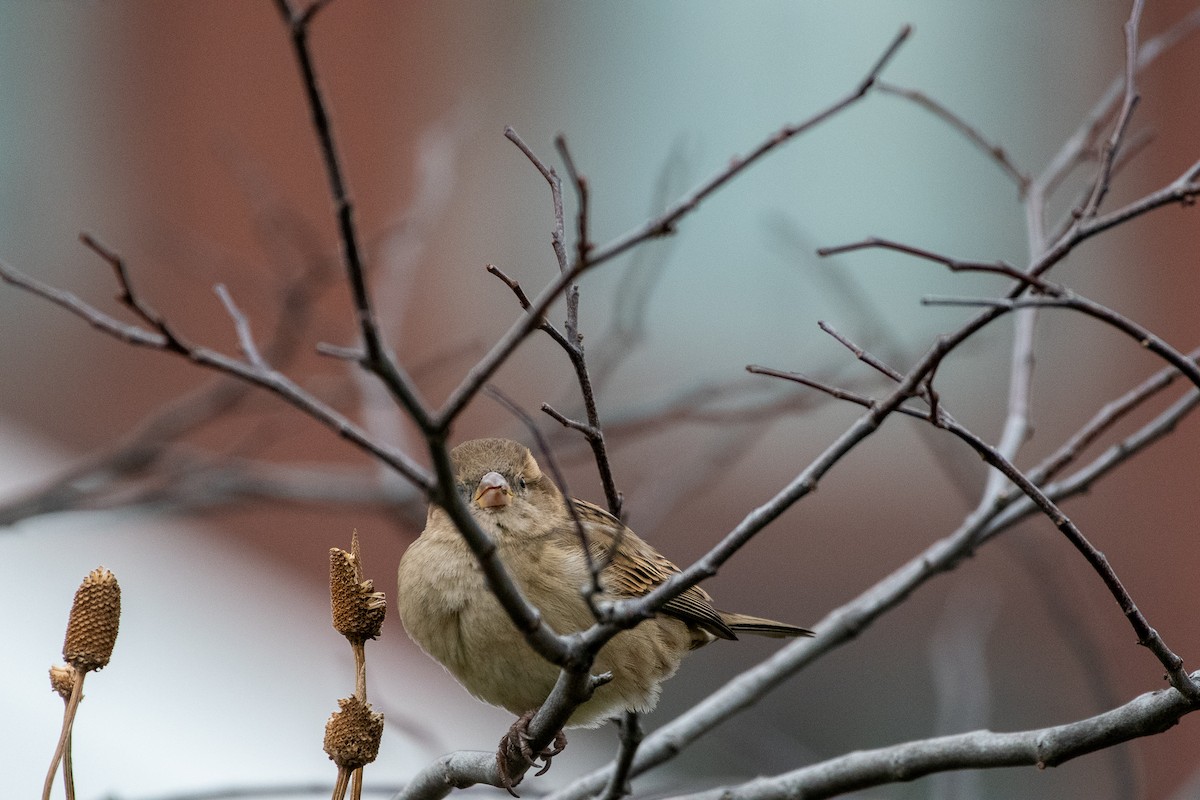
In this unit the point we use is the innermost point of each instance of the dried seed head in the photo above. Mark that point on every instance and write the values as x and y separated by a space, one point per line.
358 609
62 680
352 734
95 616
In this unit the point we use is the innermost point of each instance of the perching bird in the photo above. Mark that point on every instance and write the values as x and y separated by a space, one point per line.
449 611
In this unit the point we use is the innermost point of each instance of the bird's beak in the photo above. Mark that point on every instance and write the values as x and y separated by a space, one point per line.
493 491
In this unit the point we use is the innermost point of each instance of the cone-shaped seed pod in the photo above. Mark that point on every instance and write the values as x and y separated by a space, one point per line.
352 734
62 680
358 610
95 616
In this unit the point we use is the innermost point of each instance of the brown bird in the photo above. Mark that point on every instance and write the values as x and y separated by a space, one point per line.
449 611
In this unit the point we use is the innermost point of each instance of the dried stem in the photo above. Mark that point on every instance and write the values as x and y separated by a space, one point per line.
64 738
343 781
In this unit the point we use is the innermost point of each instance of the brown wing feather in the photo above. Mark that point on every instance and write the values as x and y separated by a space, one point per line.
636 568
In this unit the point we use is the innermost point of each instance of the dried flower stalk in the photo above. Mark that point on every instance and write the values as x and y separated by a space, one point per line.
91 634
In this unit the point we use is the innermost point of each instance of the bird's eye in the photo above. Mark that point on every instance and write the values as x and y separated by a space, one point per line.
521 483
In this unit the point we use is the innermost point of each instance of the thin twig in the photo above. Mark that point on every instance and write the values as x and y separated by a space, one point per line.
1129 101
128 297
242 326
953 264
583 245
558 236
594 590
973 134
1142 335
662 225
377 358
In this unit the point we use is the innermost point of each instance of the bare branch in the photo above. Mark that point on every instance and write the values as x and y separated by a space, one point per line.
1128 103
953 264
272 381
666 222
973 134
631 737
558 237
1079 143
377 358
1143 336
1147 636
846 622
242 327
1145 715
660 226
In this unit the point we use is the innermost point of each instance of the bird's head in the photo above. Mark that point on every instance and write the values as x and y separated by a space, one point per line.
500 480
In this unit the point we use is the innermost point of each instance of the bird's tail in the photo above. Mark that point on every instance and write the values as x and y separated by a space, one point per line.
744 623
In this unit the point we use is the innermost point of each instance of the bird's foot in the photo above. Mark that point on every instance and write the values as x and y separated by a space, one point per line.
517 742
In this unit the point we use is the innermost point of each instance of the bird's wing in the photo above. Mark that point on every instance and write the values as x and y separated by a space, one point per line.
633 568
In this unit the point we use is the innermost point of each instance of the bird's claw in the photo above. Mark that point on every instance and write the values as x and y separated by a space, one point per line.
517 741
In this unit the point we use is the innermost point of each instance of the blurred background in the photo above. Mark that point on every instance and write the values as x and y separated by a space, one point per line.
177 134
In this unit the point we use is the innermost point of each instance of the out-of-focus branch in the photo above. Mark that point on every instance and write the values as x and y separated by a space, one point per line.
1083 141
953 264
260 376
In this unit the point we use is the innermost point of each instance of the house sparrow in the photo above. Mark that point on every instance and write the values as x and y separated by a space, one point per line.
449 611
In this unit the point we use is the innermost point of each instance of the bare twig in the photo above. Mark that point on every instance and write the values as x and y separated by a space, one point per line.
272 381
1082 140
570 339
953 264
1129 101
973 134
377 358
242 326
1143 336
594 590
662 225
